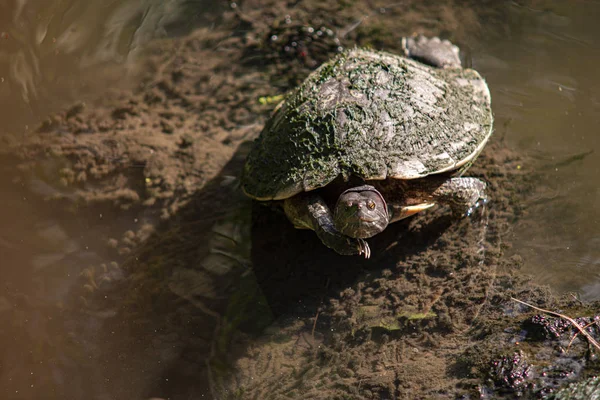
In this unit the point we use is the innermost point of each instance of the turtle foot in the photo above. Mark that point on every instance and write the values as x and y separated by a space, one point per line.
432 51
469 210
478 206
464 195
347 246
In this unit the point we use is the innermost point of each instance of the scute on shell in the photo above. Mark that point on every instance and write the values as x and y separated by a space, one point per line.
371 114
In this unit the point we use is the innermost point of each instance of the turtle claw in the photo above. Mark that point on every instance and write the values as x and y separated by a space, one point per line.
479 205
363 248
346 245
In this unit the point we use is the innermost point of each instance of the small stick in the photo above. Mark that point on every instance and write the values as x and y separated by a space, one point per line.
575 298
314 325
318 312
575 335
571 320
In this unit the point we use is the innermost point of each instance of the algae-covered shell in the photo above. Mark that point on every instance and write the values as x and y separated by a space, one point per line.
374 115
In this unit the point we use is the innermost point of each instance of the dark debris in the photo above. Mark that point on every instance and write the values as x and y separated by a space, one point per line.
512 372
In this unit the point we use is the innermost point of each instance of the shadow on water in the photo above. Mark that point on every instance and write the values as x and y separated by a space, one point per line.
189 289
221 267
157 325
160 323
295 271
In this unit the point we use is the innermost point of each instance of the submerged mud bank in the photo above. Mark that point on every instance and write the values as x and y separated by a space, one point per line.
209 294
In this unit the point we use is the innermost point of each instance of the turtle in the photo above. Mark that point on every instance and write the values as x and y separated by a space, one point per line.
371 137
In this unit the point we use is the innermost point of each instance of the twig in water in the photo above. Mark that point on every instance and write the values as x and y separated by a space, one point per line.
581 329
318 311
314 325
575 335
574 296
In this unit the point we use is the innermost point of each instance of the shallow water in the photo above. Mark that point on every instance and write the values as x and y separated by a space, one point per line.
52 52
542 70
546 98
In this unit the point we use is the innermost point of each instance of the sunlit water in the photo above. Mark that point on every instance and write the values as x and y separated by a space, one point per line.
543 74
59 50
53 53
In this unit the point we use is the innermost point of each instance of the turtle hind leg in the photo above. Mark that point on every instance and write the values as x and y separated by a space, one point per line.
309 211
432 51
463 194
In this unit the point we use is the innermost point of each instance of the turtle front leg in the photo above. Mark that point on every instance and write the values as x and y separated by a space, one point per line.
463 194
309 211
435 52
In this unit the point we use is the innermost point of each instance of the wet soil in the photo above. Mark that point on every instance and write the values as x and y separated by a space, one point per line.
212 295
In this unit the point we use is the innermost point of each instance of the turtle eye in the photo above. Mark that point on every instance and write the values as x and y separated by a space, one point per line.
371 205
349 203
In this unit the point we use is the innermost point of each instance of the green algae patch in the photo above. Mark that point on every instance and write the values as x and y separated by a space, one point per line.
418 316
369 114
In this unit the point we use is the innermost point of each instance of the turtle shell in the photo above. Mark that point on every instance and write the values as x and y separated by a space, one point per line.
369 114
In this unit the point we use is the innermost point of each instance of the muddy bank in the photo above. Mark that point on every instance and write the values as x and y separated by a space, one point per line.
211 295
153 147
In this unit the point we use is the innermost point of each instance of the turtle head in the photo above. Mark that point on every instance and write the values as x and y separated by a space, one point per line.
361 212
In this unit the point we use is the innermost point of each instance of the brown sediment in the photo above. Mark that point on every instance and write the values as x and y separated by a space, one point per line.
226 294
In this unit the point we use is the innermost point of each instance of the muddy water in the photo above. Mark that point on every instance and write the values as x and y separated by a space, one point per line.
543 74
52 52
542 70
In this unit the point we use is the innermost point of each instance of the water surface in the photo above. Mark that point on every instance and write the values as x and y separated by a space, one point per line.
541 66
546 99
